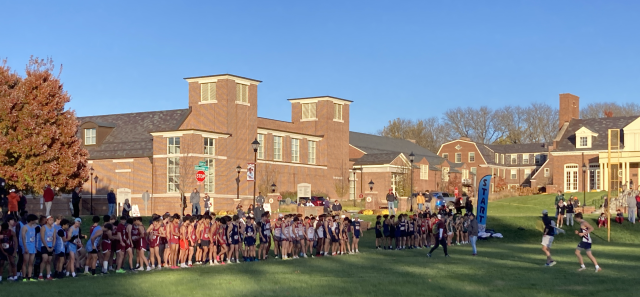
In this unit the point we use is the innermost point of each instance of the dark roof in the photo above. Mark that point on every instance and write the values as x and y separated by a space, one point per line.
131 136
567 141
520 148
376 159
374 144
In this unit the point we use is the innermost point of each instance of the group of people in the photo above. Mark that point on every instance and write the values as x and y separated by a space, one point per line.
426 230
44 248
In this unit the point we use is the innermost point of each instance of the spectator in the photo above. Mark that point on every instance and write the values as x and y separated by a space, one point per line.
337 207
473 232
638 204
631 202
602 220
75 202
420 201
250 210
619 217
561 209
126 209
570 211
48 196
22 204
195 202
391 198
327 206
260 199
240 211
631 184
207 203
111 201
458 205
468 205
559 197
14 199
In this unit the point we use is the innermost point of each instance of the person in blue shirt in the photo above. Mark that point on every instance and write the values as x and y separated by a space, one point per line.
357 233
47 245
28 236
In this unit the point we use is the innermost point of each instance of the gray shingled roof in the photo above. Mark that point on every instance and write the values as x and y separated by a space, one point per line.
488 151
376 159
382 146
131 136
567 142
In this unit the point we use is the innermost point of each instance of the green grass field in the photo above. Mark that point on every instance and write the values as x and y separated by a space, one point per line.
512 266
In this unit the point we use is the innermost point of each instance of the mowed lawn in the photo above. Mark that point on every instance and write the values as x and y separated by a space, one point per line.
512 266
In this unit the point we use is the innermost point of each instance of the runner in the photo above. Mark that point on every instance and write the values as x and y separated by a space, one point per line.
547 237
585 244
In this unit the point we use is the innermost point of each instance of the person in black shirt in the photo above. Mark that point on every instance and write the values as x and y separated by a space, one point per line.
561 209
570 211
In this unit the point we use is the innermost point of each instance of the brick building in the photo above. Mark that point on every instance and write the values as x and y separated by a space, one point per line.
511 165
158 151
579 155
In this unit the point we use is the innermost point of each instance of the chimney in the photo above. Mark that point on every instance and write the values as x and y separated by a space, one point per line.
569 108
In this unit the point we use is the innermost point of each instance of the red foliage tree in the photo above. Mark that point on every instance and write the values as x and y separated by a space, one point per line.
38 142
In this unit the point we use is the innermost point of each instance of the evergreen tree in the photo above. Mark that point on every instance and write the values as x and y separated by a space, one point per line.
38 137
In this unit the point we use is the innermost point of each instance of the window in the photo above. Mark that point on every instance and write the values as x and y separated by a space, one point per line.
208 92
458 157
538 158
312 152
424 171
173 175
514 173
546 172
445 174
583 141
242 93
445 156
309 111
571 177
465 174
497 160
260 139
525 159
210 178
337 112
277 148
472 157
527 173
474 170
514 159
173 145
502 156
90 136
295 150
209 148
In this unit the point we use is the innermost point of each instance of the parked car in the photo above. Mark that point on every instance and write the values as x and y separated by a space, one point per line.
317 201
443 198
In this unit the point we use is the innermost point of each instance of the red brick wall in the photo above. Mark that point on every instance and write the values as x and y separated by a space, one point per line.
559 162
569 108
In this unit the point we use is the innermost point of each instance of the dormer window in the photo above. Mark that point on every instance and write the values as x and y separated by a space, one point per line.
90 136
242 93
584 138
208 92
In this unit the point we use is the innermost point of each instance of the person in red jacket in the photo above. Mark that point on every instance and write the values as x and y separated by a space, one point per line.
13 201
48 199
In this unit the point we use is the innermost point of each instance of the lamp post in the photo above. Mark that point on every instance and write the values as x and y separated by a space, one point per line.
91 182
238 169
255 145
371 185
584 184
411 158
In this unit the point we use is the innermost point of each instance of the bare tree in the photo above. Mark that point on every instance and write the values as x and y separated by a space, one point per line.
341 184
541 120
268 176
459 120
597 110
429 133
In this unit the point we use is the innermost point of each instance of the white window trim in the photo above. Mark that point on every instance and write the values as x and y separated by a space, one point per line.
584 132
314 118
95 136
290 134
281 143
547 172
341 120
297 150
474 157
424 172
456 159
260 138
512 173
445 156
309 150
527 158
572 169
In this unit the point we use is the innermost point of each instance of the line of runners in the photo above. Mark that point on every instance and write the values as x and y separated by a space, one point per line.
53 248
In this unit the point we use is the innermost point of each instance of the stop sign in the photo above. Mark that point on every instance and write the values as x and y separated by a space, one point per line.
200 176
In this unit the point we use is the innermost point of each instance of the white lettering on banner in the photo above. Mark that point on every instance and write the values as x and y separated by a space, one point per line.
135 211
483 202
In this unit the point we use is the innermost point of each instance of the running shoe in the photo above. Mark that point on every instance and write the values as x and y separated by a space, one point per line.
552 263
121 271
598 269
582 268
33 280
40 277
429 255
49 278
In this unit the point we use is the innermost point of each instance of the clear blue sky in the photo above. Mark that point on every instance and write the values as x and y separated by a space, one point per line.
393 58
